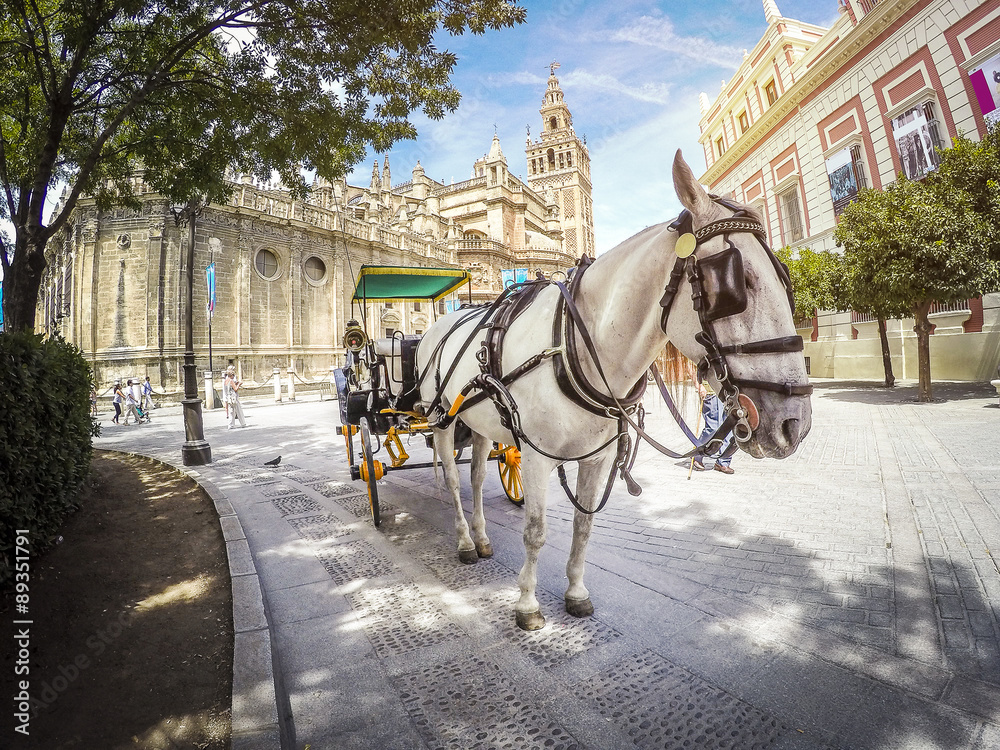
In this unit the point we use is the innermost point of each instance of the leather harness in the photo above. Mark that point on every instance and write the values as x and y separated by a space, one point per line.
718 290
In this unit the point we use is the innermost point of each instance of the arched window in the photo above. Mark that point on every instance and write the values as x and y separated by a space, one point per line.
553 123
552 158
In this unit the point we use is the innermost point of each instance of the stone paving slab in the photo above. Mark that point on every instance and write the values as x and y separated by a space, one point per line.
844 597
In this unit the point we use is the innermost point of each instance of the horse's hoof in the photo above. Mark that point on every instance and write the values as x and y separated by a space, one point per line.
468 556
580 607
484 550
529 620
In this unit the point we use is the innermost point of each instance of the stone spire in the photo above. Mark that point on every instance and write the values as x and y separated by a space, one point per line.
376 184
496 154
771 12
386 175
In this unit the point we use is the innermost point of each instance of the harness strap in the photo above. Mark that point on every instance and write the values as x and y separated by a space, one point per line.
767 346
788 389
724 429
569 371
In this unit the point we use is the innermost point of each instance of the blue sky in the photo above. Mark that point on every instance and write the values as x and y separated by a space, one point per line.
631 71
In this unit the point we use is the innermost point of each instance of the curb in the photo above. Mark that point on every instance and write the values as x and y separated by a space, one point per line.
254 711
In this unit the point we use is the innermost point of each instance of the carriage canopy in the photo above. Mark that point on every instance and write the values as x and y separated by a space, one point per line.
407 283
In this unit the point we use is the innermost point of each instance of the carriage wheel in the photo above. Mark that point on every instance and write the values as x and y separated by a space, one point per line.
509 466
371 470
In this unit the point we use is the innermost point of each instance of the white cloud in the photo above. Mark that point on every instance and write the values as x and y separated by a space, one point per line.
655 93
658 32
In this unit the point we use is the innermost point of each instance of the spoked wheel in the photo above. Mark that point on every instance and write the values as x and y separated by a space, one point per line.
371 470
509 466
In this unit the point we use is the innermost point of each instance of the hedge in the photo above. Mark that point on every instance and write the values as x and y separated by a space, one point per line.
45 439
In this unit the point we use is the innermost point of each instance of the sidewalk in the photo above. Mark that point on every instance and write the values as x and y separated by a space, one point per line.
844 597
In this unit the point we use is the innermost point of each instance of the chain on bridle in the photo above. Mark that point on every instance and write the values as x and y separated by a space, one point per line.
718 290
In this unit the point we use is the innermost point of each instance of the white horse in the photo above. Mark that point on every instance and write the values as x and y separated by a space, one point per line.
619 303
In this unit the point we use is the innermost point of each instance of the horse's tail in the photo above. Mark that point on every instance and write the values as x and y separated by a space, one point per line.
420 407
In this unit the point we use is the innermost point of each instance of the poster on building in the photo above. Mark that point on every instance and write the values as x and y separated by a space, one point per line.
986 83
914 143
513 276
843 182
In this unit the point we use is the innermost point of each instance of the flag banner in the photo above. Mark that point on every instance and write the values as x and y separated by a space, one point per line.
986 83
210 277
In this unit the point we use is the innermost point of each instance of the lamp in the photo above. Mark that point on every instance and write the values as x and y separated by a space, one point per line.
196 451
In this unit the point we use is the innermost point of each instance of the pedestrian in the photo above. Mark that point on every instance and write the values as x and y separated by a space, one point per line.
712 411
147 395
117 399
231 395
93 401
130 404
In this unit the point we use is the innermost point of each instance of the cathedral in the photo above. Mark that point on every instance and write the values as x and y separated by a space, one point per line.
285 269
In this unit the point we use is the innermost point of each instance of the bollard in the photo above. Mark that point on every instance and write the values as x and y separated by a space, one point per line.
276 373
209 390
291 383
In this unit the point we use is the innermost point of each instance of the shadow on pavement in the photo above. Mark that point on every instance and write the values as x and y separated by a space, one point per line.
904 392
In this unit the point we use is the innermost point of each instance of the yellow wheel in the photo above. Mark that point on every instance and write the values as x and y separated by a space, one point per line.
509 466
371 470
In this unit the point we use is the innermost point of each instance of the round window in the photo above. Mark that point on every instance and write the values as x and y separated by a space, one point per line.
267 264
315 268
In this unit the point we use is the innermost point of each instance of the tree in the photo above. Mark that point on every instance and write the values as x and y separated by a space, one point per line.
92 91
972 169
907 247
814 277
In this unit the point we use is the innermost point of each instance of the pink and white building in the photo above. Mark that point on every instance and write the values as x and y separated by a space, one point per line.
813 114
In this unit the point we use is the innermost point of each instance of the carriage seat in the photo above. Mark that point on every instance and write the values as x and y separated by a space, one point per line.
401 361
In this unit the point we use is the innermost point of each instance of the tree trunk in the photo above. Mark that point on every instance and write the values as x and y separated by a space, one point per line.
21 285
923 330
890 379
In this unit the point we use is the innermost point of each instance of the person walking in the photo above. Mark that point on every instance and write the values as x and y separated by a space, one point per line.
231 395
130 404
93 402
147 395
117 399
712 411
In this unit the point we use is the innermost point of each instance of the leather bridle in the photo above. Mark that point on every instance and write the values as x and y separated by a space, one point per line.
723 297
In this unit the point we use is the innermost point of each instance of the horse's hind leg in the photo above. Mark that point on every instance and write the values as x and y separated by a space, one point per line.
590 484
480 453
535 472
444 443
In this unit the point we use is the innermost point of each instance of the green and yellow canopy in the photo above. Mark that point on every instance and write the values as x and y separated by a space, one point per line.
407 283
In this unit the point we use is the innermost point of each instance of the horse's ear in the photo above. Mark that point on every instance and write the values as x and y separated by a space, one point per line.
690 192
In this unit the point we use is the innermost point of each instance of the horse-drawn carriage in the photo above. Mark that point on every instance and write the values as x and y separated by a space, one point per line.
378 387
557 370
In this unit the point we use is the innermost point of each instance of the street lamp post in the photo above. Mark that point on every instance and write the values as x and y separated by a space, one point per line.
196 451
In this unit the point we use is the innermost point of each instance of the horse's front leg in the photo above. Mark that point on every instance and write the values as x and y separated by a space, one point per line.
535 471
590 484
444 445
480 453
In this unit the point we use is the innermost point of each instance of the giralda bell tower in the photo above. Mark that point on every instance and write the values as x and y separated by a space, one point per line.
559 164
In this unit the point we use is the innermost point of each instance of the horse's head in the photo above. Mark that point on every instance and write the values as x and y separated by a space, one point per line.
731 311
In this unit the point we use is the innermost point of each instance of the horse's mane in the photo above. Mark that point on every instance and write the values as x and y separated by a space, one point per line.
675 367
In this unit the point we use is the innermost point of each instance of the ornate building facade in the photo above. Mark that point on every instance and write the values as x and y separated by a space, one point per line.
814 114
285 269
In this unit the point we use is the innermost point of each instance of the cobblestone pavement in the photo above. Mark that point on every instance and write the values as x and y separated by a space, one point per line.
844 597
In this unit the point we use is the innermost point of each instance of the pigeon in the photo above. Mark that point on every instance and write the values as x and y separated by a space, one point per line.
273 461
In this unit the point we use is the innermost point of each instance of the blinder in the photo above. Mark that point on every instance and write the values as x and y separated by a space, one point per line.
724 283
